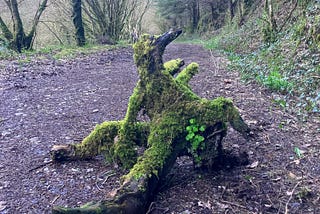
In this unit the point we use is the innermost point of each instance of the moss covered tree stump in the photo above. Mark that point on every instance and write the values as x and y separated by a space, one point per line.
181 123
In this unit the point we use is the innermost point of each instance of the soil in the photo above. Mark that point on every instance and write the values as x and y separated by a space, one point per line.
45 102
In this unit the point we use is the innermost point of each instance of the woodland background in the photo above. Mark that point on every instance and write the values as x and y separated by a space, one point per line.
273 42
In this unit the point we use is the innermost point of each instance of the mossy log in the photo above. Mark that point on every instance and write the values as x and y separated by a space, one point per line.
164 95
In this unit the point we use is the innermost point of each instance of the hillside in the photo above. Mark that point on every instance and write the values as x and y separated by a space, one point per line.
286 59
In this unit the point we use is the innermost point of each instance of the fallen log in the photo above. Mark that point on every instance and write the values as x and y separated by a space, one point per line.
181 123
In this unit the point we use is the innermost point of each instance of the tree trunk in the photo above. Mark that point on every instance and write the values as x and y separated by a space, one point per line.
181 123
232 8
77 22
195 15
19 35
5 30
18 39
270 27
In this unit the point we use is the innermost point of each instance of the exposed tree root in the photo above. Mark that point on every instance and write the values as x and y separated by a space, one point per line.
164 95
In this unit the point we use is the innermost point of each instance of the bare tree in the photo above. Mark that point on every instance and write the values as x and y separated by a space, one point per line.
106 20
134 25
17 37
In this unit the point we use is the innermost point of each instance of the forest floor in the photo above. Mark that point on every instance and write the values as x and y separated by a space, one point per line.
46 102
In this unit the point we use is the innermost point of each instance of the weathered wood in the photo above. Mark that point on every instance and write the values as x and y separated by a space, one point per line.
171 106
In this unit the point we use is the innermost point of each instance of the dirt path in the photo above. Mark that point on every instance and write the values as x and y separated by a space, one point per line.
48 102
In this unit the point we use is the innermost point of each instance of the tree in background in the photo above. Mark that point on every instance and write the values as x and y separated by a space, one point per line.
17 38
180 13
107 21
202 16
77 21
135 25
270 27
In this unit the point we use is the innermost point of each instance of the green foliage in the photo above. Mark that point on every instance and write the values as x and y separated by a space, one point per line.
276 82
56 52
195 138
280 102
297 151
234 39
288 63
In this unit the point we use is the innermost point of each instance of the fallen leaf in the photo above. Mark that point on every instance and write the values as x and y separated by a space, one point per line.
253 165
227 81
3 205
276 179
292 176
204 204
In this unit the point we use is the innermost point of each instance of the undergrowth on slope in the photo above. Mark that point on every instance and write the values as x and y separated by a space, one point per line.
289 67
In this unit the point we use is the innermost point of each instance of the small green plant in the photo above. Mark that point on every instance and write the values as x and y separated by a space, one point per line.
195 138
280 102
276 82
298 152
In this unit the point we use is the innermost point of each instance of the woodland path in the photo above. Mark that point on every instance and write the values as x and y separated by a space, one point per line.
46 102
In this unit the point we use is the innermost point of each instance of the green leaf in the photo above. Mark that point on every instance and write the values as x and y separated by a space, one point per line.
195 145
298 152
189 128
192 121
195 129
201 138
202 128
189 136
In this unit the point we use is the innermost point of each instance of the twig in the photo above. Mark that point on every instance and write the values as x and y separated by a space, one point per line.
151 208
40 166
289 16
291 194
107 177
233 204
55 199
214 133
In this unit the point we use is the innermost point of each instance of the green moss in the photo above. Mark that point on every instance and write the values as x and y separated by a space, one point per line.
163 132
169 103
100 140
186 74
173 66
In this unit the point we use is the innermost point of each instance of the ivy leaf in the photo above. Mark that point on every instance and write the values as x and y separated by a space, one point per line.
202 128
195 145
192 121
189 128
189 136
201 138
195 129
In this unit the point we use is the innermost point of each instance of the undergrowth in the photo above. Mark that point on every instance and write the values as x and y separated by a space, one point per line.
290 67
54 52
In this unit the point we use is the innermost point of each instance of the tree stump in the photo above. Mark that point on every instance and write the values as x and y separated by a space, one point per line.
181 123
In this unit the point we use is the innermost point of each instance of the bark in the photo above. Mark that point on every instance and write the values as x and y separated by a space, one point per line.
166 98
270 28
18 39
5 30
232 8
195 15
77 22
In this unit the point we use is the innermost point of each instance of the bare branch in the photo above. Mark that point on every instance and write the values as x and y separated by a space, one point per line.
50 29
